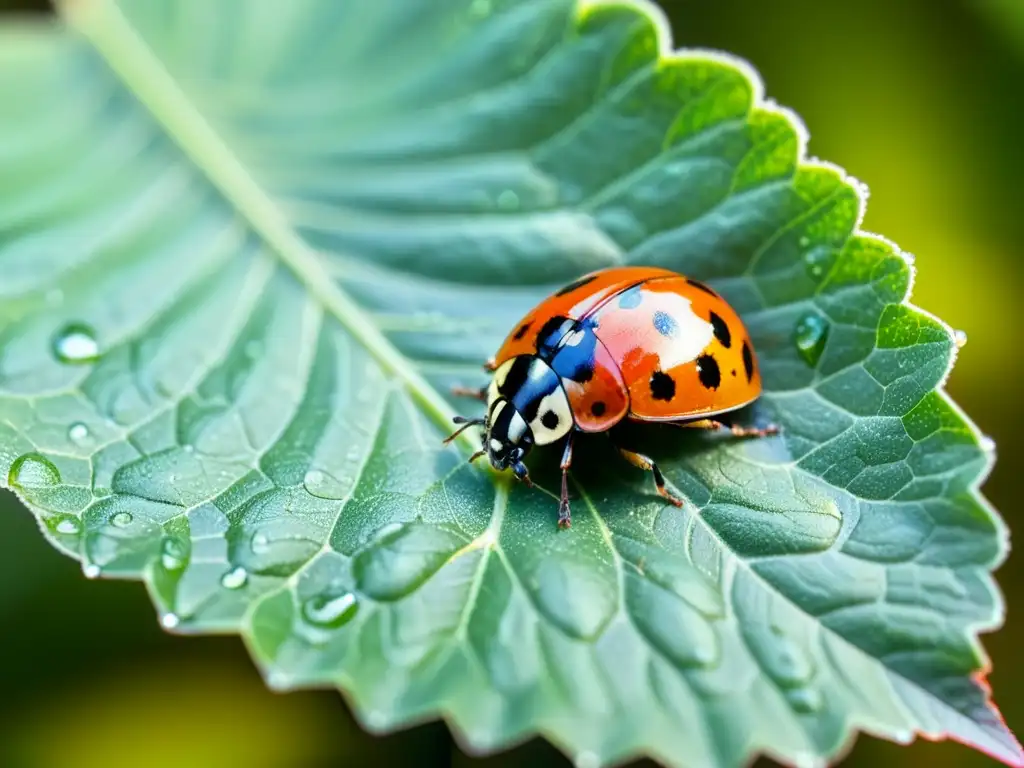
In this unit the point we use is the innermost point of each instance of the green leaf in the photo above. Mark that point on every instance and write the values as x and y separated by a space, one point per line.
247 246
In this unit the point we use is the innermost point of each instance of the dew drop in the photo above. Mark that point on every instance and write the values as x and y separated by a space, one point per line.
586 759
402 558
260 543
78 433
313 478
75 344
66 525
987 444
91 570
330 612
173 554
234 579
817 260
806 701
508 200
169 620
32 471
960 337
810 337
122 519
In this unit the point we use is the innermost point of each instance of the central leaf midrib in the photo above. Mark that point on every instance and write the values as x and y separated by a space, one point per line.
144 75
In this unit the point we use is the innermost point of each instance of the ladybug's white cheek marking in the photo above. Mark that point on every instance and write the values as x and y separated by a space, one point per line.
554 418
516 427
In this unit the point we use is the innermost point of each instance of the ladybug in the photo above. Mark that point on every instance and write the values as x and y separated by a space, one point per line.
626 343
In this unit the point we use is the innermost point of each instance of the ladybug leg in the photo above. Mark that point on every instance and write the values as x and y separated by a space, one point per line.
564 518
737 430
474 392
647 463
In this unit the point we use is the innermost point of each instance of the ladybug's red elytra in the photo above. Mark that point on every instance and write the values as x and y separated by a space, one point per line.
639 344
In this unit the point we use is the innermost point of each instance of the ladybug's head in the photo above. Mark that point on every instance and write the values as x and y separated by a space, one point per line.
508 438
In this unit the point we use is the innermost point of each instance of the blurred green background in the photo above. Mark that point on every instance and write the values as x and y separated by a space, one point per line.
921 99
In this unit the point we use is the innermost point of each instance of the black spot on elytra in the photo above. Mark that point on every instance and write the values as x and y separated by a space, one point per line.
664 324
549 420
598 409
707 370
701 287
663 386
721 330
748 361
576 284
521 331
630 298
733 371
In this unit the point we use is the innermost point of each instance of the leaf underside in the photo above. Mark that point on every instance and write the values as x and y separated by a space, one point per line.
246 247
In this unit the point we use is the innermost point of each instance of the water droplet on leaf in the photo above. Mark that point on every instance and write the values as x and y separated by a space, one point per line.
260 543
66 525
121 519
78 433
173 554
32 471
75 344
816 260
960 337
91 570
806 701
810 337
330 612
402 558
234 579
169 620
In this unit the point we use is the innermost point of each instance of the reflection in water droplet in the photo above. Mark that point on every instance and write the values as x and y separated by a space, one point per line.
173 554
75 344
330 612
78 433
91 570
234 579
169 620
67 525
816 260
121 519
804 700
987 444
32 471
508 200
586 759
313 477
811 336
960 337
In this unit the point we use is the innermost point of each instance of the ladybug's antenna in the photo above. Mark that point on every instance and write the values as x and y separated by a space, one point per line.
476 455
466 424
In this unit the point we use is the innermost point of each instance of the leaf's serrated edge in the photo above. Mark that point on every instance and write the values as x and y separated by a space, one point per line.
760 101
263 216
